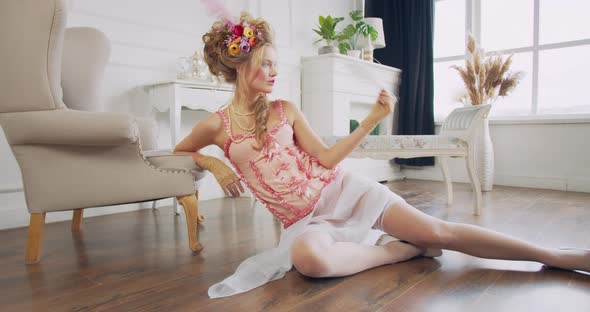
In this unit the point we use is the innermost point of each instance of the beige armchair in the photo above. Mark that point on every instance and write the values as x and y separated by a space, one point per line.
72 159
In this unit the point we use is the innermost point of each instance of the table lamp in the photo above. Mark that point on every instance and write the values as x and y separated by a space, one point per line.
378 43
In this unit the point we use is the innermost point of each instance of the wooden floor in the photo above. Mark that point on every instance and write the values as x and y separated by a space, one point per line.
140 261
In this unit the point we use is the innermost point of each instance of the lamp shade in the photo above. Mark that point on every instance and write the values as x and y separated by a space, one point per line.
377 23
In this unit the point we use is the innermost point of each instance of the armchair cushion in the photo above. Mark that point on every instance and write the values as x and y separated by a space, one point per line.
69 127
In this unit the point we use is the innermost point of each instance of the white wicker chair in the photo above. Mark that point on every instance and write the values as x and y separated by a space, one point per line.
456 139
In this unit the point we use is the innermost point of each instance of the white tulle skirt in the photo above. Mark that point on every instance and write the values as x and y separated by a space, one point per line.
347 209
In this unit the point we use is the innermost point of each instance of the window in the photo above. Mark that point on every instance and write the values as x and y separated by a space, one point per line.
562 86
550 41
449 49
518 102
449 29
564 20
506 24
447 94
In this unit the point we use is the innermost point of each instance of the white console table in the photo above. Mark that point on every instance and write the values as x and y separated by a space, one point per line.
171 96
336 88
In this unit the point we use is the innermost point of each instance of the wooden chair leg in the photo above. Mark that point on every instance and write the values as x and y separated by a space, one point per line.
77 220
200 218
442 160
35 239
191 211
475 187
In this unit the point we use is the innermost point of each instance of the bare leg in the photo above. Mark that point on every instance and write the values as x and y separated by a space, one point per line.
406 222
316 254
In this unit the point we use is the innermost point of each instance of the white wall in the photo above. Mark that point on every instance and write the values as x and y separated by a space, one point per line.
147 37
550 155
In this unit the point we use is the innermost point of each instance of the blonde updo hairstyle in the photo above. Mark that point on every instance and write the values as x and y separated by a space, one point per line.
223 64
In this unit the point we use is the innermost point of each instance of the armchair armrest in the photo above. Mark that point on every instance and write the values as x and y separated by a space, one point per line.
148 133
69 127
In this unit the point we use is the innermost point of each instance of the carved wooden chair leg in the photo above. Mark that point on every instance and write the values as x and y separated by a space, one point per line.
35 238
77 220
200 218
191 211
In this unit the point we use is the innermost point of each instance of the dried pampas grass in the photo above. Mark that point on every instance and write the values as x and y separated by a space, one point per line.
486 78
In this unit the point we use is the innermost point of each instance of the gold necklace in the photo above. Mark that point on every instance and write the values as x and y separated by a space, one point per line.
247 129
240 114
243 136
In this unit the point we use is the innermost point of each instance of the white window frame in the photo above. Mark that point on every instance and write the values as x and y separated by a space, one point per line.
473 25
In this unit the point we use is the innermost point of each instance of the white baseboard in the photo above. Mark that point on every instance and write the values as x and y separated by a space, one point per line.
5 188
15 214
13 207
572 184
568 183
549 183
579 184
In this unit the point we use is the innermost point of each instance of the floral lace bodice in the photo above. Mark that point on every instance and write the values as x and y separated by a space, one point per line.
286 179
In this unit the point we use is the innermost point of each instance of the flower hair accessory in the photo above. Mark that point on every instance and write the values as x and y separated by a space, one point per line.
240 37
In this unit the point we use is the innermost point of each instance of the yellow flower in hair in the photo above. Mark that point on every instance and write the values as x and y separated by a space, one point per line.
234 49
248 32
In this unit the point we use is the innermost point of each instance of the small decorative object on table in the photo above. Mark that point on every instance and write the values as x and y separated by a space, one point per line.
486 79
184 68
193 68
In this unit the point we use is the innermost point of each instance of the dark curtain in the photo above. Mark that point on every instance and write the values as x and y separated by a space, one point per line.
408 27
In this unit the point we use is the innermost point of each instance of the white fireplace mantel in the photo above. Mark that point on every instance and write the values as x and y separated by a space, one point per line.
336 88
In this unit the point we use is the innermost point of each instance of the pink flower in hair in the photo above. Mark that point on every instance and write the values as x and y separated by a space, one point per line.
244 47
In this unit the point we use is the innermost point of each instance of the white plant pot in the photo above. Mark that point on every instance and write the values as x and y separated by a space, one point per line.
354 53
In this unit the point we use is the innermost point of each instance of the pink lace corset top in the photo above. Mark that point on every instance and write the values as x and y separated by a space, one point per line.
282 176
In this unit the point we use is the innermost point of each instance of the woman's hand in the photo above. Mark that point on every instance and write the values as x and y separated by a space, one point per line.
202 135
382 107
225 176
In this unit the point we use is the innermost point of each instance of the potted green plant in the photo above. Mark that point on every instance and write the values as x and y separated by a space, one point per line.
350 37
327 31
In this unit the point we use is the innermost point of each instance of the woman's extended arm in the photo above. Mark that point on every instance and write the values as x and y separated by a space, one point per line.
203 134
331 156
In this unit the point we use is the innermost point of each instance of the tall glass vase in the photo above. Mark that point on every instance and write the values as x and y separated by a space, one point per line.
484 156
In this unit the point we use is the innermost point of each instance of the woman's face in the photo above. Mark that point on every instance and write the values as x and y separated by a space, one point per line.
262 79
